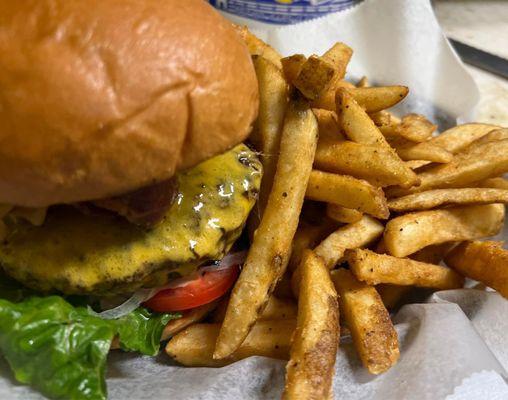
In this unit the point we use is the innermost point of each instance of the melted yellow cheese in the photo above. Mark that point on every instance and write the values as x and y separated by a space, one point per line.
75 253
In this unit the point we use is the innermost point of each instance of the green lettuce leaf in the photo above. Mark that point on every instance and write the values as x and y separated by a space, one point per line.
141 330
61 350
56 348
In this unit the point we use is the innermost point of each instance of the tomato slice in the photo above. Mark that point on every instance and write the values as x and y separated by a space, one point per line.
205 288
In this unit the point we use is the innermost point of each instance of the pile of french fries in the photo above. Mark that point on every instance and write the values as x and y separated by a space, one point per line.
356 208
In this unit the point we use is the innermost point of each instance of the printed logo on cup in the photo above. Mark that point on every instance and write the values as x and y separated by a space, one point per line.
282 11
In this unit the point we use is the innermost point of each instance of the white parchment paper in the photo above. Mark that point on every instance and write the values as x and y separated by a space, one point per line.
454 347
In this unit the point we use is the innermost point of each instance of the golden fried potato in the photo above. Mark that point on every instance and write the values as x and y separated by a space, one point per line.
275 309
194 346
348 192
415 127
342 214
316 75
474 164
459 137
392 295
409 233
338 56
375 164
373 334
358 234
486 262
445 197
309 372
270 250
328 124
257 47
373 99
409 150
373 269
292 66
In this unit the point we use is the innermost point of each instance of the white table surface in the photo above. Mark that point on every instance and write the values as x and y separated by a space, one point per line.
482 24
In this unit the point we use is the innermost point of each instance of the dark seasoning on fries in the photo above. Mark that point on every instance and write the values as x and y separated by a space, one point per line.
357 207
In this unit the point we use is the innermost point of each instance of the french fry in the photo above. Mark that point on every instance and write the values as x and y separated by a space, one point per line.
459 137
364 82
445 197
474 164
415 127
492 136
377 165
392 295
315 77
275 309
355 121
338 56
326 100
408 150
342 214
373 269
328 124
270 250
409 233
310 369
348 192
273 91
373 334
373 99
381 118
486 262
415 164
307 237
433 254
257 47
292 66
359 234
194 346
494 183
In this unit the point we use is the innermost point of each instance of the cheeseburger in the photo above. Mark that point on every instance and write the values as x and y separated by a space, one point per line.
122 168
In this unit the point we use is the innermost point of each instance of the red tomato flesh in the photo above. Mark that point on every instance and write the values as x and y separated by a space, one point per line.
205 288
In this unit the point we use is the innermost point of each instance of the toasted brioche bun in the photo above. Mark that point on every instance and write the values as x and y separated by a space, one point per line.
101 97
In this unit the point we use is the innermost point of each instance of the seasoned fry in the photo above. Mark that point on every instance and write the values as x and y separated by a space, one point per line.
415 164
373 334
433 254
459 137
257 47
348 192
338 56
475 164
310 369
266 136
328 124
486 262
356 122
364 82
376 165
307 237
494 183
492 136
408 150
352 236
270 250
275 309
292 66
409 233
392 295
445 197
194 346
373 99
315 77
327 99
342 214
381 118
415 127
374 269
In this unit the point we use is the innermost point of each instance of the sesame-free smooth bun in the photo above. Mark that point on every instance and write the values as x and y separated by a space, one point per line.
101 97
